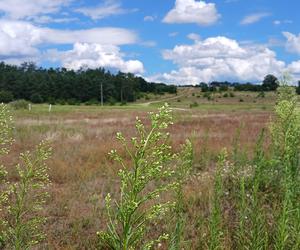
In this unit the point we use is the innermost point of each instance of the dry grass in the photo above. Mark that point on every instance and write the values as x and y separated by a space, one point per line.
82 174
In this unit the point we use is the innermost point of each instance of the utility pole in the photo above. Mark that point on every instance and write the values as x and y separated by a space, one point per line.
101 94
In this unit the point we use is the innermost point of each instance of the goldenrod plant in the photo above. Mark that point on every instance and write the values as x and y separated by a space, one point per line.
22 201
152 173
183 170
285 133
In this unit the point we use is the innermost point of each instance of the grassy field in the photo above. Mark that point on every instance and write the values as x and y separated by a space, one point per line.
82 173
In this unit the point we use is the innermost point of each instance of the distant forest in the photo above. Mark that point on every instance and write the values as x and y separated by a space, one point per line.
60 85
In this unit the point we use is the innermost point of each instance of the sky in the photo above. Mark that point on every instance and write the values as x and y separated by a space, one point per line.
172 41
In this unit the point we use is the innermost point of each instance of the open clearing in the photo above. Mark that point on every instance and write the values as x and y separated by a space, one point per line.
81 136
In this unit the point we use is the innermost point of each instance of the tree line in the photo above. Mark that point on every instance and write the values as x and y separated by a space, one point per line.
38 85
270 83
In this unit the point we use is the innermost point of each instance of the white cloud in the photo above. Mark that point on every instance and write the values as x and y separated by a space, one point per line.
109 8
84 55
254 18
219 58
98 47
194 36
149 18
19 9
294 67
278 22
19 37
48 19
192 11
173 34
293 42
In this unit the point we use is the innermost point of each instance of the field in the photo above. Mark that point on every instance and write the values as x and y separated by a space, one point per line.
82 173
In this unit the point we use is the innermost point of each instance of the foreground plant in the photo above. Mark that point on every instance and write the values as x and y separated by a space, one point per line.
21 202
285 132
152 174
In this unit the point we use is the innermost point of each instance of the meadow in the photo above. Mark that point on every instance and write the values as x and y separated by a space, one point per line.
82 173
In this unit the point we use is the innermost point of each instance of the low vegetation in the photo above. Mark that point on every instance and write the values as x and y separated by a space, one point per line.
237 190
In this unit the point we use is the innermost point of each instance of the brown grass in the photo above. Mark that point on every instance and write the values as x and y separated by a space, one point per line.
82 174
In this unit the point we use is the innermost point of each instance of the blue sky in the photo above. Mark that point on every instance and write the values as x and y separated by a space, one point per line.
174 41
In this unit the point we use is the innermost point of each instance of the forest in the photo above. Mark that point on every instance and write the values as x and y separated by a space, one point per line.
63 86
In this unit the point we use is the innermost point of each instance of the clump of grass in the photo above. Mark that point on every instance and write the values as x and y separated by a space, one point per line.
216 232
153 172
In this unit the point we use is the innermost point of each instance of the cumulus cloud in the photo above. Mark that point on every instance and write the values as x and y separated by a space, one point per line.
254 18
292 43
294 67
84 55
98 47
19 9
109 8
219 58
192 11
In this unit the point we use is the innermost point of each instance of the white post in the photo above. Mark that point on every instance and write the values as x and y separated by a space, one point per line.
29 106
50 107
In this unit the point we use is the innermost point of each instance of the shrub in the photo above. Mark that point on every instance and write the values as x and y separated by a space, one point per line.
6 96
92 102
194 105
112 101
22 201
261 94
231 94
73 101
19 104
153 172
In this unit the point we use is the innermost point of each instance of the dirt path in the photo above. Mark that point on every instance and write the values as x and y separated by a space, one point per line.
165 100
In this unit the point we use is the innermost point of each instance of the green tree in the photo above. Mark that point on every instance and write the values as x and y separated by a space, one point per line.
270 83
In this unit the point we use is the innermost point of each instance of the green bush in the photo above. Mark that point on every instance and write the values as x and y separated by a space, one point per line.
194 105
92 102
19 104
73 101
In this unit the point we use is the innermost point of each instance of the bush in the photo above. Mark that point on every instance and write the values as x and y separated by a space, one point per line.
112 101
223 88
73 101
261 94
225 95
19 104
92 102
231 94
194 105
6 96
